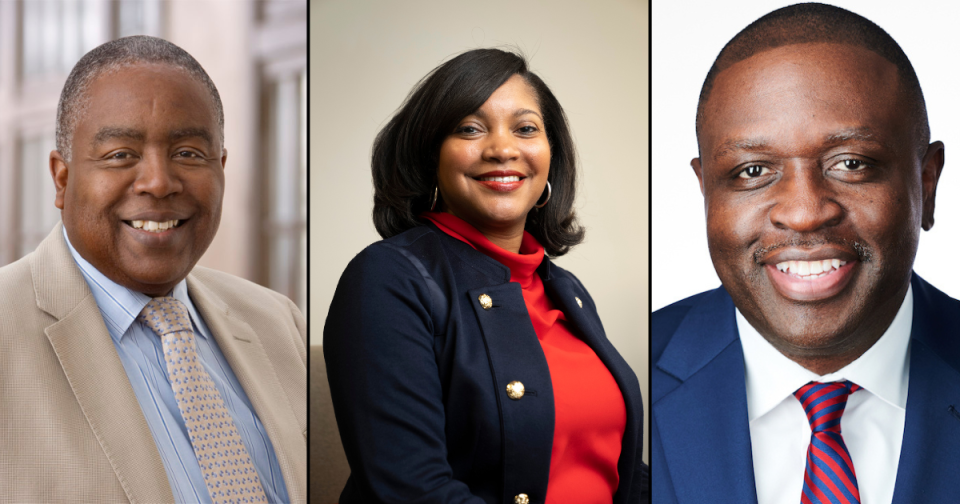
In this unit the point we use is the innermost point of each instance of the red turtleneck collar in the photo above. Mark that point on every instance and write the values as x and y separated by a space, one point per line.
523 266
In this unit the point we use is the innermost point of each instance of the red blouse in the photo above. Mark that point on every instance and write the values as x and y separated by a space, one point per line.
590 416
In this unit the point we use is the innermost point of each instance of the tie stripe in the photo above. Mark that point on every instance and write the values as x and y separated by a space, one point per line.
829 477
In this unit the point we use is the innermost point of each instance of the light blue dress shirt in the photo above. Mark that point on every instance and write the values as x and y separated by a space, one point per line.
141 353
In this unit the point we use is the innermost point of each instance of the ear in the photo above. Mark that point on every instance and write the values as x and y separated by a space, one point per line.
698 169
929 176
58 170
223 159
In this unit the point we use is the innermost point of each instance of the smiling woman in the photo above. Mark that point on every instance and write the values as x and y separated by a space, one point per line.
448 125
465 366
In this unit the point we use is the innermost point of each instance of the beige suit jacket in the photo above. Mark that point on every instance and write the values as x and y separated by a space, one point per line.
71 429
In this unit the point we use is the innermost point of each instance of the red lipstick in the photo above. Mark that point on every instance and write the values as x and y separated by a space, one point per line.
501 180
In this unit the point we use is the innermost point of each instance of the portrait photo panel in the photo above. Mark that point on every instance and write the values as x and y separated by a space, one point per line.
366 60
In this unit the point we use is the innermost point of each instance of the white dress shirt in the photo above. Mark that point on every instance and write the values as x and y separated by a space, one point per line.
872 424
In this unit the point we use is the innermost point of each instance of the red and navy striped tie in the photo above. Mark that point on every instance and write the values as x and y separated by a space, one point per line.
829 477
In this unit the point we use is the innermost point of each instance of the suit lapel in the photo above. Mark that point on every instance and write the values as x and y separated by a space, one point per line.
95 373
707 447
929 458
244 351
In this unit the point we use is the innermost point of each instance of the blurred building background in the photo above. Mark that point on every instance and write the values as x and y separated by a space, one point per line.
256 53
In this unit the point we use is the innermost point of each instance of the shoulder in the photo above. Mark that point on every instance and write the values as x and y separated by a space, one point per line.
665 321
403 258
413 246
18 300
559 273
248 301
422 258
239 294
15 277
405 266
936 319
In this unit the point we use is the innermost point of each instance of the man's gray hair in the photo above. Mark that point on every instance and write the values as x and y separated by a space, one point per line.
115 55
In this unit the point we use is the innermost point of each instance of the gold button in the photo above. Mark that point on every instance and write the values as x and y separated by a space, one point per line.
521 499
485 301
579 303
515 390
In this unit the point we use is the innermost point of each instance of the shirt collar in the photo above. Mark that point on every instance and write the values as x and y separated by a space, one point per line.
120 305
882 370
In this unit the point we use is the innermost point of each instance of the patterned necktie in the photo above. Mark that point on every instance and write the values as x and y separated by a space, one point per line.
227 469
829 476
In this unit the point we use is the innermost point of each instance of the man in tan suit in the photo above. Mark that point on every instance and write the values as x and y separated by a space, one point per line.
87 411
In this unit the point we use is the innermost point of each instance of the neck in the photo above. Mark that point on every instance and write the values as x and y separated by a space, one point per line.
509 243
823 365
508 236
840 352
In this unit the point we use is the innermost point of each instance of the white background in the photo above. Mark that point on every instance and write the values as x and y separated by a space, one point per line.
686 38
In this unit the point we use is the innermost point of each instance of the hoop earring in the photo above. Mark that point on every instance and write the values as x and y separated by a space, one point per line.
433 204
549 192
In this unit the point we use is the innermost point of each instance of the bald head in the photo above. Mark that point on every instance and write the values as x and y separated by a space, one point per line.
818 23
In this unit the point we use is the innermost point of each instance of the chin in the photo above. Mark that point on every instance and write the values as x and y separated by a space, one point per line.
151 281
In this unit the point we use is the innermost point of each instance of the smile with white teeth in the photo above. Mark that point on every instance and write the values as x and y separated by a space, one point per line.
513 178
808 270
154 226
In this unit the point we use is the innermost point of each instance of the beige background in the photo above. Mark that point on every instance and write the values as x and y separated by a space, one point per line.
367 55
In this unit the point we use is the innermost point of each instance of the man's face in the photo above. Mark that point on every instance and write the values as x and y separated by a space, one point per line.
142 194
815 189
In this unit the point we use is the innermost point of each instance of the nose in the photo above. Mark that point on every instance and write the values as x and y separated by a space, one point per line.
804 201
501 146
157 176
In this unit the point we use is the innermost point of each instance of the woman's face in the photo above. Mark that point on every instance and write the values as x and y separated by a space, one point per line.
493 166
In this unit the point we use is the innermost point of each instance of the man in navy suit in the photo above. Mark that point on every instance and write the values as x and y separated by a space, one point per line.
818 174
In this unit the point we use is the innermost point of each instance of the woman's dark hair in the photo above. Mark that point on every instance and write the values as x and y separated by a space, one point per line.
406 151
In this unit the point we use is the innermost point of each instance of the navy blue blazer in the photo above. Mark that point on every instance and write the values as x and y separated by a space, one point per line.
700 437
418 371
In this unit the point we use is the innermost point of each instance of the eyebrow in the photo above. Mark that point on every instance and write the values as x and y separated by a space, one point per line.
519 112
179 134
861 134
757 144
111 132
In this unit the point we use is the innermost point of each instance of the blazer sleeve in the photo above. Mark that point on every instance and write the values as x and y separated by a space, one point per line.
385 384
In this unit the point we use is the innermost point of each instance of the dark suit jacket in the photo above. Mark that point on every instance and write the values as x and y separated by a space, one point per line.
418 373
700 434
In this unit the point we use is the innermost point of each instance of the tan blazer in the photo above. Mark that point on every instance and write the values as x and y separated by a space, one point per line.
71 429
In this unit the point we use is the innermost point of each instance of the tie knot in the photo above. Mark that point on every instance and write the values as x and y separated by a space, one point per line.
165 315
824 403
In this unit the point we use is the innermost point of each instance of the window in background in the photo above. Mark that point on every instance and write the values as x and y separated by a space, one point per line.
38 214
138 17
40 41
285 224
56 33
280 43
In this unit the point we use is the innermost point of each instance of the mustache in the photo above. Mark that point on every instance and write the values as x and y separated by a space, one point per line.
864 253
